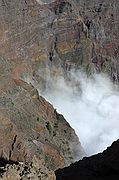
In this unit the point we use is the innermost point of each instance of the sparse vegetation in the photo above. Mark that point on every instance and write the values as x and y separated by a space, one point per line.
48 126
46 139
12 103
54 133
56 125
38 119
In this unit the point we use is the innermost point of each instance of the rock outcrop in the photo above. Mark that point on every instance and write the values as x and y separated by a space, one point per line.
34 170
101 166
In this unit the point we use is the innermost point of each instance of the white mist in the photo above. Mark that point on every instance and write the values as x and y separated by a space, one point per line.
92 109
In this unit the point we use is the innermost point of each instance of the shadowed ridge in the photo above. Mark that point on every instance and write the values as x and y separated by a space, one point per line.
101 166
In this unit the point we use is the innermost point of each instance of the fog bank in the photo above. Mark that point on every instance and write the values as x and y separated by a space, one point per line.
90 105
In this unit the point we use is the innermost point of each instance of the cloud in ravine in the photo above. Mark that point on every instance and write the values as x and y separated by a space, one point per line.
90 105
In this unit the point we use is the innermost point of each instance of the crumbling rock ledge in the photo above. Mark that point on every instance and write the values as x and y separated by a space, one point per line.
34 170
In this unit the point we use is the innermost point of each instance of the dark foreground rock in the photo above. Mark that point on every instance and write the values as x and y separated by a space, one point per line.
102 166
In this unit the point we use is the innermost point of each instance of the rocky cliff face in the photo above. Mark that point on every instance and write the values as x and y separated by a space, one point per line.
101 166
51 37
43 39
101 19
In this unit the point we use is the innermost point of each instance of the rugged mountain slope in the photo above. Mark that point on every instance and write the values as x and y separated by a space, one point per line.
30 126
101 166
31 38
